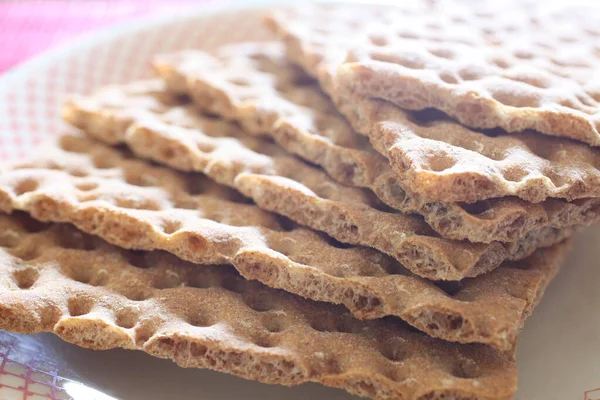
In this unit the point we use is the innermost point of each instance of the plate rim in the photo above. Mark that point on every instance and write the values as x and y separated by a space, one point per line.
16 74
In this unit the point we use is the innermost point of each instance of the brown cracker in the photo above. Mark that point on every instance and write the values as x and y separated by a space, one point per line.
134 205
280 183
436 157
514 65
210 317
253 84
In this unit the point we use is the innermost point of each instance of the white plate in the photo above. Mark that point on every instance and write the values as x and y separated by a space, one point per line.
559 352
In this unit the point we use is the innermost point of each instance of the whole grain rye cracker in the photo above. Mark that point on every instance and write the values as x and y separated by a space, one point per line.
253 84
436 157
514 65
278 182
212 318
138 206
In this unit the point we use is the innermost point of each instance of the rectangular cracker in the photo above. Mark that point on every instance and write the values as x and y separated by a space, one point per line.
514 65
134 205
283 184
256 86
212 318
437 157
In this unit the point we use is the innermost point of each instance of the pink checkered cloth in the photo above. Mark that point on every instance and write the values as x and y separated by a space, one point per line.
28 27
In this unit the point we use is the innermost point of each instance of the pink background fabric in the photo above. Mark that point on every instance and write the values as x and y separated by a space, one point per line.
28 27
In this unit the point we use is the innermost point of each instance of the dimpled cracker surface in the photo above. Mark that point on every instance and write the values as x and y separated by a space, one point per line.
515 64
57 279
438 158
137 206
255 85
281 183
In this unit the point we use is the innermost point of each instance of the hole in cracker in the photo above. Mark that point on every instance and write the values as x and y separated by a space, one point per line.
524 54
501 63
137 203
79 306
9 238
197 244
465 369
378 40
322 324
573 104
167 280
532 80
594 94
86 186
239 81
395 375
104 161
273 323
265 341
143 334
126 319
448 77
411 61
507 96
586 100
170 226
441 162
26 186
394 350
25 278
443 52
514 174
470 73
205 147
200 319
83 274
29 254
407 35
143 180
259 303
137 295
78 173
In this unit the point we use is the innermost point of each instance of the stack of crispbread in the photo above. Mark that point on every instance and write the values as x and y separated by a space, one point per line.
375 203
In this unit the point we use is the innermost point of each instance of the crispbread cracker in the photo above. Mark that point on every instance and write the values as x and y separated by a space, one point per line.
514 65
135 205
56 279
253 84
439 158
281 183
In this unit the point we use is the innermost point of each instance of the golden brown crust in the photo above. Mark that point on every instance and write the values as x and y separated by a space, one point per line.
281 183
134 205
57 279
443 160
255 85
